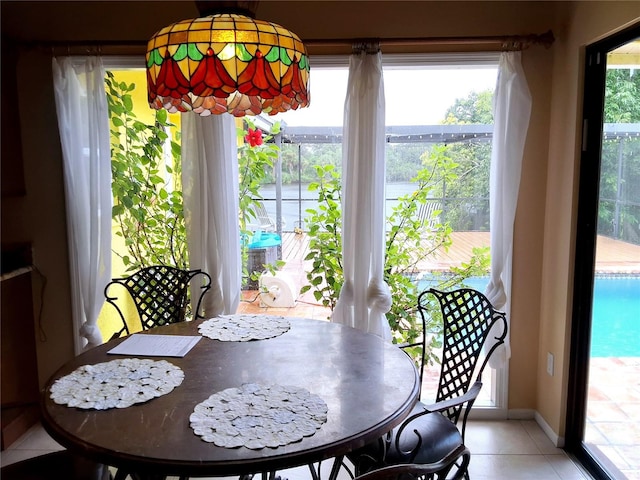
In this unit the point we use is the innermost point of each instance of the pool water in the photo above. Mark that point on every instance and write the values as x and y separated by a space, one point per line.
616 314
615 331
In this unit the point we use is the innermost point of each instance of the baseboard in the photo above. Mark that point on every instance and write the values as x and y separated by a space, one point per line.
530 414
16 421
557 440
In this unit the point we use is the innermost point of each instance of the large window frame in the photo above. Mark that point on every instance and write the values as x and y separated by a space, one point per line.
496 406
493 404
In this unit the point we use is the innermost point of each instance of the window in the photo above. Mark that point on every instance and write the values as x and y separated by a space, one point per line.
450 117
442 128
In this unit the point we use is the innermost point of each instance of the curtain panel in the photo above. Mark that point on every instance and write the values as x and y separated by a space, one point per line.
511 113
365 297
83 122
210 192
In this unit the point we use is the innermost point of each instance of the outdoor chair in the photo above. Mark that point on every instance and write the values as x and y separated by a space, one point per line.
262 220
62 464
434 434
429 213
160 294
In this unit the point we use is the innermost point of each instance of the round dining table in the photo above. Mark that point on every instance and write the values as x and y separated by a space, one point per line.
369 386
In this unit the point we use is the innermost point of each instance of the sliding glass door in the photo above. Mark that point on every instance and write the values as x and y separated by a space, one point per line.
604 413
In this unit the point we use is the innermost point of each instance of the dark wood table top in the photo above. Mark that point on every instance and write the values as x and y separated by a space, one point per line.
369 386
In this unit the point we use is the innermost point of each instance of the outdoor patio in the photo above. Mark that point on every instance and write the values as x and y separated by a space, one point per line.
612 257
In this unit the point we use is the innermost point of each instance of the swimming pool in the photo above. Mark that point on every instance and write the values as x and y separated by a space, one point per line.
616 317
616 314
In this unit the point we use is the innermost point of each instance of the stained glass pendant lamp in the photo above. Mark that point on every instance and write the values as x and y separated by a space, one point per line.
227 62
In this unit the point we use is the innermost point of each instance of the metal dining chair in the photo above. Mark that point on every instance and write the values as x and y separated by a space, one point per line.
160 294
434 434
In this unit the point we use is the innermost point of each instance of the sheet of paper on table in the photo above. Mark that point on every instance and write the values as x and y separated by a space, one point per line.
156 345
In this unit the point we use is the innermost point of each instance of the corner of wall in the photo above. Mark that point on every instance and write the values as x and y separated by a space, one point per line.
557 440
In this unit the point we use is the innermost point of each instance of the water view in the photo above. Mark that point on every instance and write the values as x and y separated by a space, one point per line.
616 314
294 211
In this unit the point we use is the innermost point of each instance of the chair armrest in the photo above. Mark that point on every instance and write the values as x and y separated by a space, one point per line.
204 288
468 396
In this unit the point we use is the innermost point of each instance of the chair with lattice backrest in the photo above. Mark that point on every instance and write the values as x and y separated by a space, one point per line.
160 294
435 433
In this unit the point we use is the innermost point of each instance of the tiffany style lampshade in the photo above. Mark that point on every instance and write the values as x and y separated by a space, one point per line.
227 62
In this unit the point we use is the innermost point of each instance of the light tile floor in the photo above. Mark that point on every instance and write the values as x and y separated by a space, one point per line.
613 413
501 450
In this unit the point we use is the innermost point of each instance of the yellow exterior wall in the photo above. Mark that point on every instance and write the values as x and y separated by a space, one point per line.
109 321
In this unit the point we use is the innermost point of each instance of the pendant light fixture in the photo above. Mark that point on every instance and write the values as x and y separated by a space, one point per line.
227 62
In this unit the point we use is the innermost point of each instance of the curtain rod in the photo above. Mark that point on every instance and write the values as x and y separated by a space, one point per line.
503 42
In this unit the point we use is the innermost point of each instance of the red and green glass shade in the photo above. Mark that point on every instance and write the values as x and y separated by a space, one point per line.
227 63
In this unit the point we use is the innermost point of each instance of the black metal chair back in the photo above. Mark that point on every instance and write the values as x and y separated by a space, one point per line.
160 294
468 317
431 435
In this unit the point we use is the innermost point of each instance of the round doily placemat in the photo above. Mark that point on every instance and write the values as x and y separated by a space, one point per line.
243 327
257 416
116 384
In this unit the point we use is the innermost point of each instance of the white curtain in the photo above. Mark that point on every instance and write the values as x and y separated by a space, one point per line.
210 189
365 297
511 111
83 121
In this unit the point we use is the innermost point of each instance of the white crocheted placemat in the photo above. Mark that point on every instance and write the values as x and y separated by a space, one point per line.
116 384
258 416
243 327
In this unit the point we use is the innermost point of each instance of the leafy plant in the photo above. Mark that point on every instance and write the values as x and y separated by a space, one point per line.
324 226
409 241
146 181
255 162
146 185
256 159
619 203
468 196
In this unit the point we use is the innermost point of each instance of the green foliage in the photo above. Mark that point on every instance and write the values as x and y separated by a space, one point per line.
255 164
622 91
476 108
403 160
324 226
146 186
619 210
409 241
309 155
468 204
147 191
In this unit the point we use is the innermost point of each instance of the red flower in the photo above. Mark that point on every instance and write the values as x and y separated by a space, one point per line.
253 137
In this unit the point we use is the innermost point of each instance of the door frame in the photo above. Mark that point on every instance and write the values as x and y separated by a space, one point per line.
585 245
